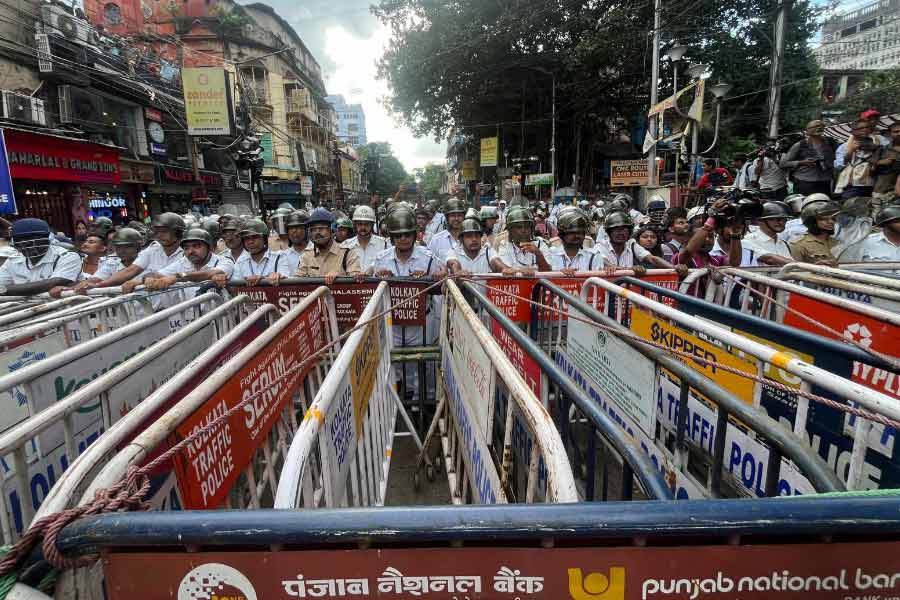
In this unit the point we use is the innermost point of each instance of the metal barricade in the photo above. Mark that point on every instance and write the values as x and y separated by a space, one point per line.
115 394
498 440
710 342
29 311
341 454
665 407
830 432
814 548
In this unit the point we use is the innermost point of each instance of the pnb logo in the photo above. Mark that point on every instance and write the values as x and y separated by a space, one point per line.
597 586
215 581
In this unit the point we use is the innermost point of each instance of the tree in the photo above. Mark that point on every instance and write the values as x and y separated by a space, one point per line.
878 90
481 69
385 173
430 179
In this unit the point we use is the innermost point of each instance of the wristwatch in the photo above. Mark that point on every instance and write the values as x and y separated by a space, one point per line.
180 276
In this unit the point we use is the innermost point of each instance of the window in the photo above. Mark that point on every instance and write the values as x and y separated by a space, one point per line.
112 13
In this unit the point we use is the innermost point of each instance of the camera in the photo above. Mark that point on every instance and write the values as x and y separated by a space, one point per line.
743 205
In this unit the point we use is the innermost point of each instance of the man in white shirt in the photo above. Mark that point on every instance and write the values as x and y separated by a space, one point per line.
622 251
741 167
572 257
444 241
39 265
367 244
297 236
884 245
766 175
764 242
476 257
230 229
258 261
521 253
199 262
168 228
437 220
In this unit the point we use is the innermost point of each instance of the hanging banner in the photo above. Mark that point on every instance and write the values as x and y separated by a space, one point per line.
489 152
669 102
7 196
696 110
206 103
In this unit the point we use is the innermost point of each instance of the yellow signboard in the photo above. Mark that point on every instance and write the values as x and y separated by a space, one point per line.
206 101
628 172
469 170
489 152
345 173
363 371
656 330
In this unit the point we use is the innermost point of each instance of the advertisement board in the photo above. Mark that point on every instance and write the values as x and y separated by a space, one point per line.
473 369
469 170
488 152
16 401
206 102
524 364
7 194
813 571
628 172
208 467
54 158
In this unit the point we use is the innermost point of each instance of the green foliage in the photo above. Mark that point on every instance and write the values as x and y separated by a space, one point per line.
430 178
880 90
230 21
389 174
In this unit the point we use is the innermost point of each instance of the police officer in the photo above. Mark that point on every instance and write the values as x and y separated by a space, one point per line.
588 242
296 228
444 241
258 261
885 244
231 235
522 253
476 256
765 242
367 244
199 263
104 227
622 251
127 243
436 222
343 230
278 238
572 257
819 242
326 258
168 228
39 265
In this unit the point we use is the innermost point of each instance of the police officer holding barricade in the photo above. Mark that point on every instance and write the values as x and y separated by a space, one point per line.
39 265
522 253
476 256
199 263
366 243
296 228
258 261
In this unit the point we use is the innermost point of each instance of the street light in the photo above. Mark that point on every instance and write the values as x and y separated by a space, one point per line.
718 90
676 53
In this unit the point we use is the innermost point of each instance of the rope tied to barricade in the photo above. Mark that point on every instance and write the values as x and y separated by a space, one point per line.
895 364
130 492
859 412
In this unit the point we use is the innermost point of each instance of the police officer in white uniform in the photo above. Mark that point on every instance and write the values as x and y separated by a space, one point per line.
258 260
572 257
444 241
39 266
476 256
367 244
298 237
521 253
199 263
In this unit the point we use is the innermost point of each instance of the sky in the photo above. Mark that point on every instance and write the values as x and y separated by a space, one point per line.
347 40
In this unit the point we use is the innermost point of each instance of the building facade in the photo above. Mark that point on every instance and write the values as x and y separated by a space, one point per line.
351 121
864 39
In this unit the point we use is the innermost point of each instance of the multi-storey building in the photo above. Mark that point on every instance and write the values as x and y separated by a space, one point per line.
351 121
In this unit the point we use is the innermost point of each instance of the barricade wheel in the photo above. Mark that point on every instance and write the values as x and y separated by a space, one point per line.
417 482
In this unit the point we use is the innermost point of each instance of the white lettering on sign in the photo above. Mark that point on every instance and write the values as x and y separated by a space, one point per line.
107 203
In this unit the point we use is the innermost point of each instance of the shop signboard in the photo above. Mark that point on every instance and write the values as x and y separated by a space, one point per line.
489 152
469 170
539 179
138 172
206 102
7 196
57 158
628 172
306 185
181 176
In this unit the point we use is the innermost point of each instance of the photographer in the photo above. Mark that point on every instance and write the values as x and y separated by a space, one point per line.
766 176
811 161
855 158
697 253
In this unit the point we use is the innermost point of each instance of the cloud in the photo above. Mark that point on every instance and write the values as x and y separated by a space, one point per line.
354 77
347 40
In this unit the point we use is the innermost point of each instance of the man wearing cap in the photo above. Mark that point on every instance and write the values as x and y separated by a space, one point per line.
764 242
231 229
296 228
817 246
885 244
476 256
448 240
872 116
326 258
258 261
198 263
437 220
39 265
366 243
168 228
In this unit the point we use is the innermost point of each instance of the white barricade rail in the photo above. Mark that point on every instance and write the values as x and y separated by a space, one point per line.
341 455
53 376
498 441
28 311
841 273
651 320
116 393
236 464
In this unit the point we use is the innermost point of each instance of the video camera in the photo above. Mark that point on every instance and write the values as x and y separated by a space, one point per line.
743 205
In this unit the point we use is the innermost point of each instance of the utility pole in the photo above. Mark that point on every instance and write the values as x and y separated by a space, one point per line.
654 94
776 67
553 144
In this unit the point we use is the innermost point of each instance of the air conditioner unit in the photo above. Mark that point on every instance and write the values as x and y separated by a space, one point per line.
22 108
60 22
80 107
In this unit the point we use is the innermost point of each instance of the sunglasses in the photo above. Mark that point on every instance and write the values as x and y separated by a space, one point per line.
405 234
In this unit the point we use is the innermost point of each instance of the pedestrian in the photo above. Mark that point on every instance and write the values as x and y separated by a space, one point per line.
713 175
741 177
39 265
697 252
80 231
649 239
767 176
887 165
810 161
677 233
854 158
